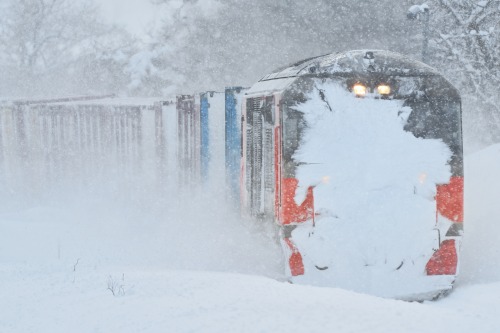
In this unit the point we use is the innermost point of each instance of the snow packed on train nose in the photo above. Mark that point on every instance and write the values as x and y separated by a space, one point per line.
357 157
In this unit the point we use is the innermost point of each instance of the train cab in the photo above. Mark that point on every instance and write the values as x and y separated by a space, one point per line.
357 158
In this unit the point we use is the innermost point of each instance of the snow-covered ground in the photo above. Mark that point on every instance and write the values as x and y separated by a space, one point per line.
190 265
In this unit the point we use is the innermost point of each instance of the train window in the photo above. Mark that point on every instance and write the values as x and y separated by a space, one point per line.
437 115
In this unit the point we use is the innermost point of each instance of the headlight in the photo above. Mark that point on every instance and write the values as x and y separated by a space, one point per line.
359 90
384 89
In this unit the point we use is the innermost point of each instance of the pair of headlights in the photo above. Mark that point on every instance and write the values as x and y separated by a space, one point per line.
360 90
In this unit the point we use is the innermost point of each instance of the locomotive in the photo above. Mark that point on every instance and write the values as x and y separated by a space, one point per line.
357 158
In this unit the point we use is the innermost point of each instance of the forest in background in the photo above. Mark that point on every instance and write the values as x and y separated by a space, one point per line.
61 47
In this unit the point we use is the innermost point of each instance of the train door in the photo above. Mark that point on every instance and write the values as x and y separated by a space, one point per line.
259 168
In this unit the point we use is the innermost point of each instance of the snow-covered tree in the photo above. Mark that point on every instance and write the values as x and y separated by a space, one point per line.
465 45
102 67
234 42
239 41
172 61
55 46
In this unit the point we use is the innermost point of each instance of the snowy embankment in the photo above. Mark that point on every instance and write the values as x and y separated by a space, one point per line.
176 268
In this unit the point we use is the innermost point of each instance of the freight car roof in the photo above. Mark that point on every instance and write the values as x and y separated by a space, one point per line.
357 61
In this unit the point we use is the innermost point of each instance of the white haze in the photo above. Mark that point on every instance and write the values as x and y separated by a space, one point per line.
59 260
106 229
137 16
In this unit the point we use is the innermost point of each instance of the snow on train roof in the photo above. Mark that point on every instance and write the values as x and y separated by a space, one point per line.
356 61
350 62
122 101
270 85
90 100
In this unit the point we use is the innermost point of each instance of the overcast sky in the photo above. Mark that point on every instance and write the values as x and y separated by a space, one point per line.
136 15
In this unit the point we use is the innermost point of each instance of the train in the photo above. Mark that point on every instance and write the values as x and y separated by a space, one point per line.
358 158
354 158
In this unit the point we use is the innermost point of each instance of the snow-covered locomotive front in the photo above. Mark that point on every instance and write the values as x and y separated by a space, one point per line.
357 156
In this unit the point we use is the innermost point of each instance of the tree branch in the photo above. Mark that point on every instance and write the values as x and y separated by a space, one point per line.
452 10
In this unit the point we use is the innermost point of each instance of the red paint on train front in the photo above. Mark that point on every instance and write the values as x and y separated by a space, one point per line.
450 199
291 211
449 204
295 260
444 261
